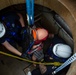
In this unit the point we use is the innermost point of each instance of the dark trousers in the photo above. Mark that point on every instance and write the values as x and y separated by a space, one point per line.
48 72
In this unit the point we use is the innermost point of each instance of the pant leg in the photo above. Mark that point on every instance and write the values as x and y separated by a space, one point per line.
49 71
36 72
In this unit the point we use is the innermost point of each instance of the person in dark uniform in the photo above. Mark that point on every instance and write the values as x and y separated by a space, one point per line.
14 31
10 27
55 50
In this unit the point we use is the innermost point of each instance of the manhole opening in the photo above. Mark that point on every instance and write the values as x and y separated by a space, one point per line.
48 19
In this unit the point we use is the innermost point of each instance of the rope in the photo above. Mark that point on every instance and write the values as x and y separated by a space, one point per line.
50 63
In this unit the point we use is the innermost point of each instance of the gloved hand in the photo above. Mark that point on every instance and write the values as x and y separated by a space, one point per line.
23 29
26 56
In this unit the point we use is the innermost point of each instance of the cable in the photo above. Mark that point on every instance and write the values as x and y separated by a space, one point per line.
49 63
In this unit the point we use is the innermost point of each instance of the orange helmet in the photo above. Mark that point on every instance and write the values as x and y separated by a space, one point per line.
39 34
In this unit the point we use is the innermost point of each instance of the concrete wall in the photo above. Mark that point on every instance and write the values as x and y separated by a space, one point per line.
65 8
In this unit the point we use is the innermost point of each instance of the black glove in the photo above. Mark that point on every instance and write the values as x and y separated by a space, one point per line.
26 56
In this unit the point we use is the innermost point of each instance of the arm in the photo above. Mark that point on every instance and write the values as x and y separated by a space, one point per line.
11 48
21 20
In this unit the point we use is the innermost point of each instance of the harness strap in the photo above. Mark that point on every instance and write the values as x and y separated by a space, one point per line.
30 11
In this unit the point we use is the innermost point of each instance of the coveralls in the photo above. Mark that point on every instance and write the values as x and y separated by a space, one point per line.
48 46
13 27
13 30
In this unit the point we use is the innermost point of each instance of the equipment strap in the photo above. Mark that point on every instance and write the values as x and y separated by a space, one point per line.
35 49
30 11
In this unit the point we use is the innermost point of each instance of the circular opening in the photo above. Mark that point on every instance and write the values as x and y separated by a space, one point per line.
48 19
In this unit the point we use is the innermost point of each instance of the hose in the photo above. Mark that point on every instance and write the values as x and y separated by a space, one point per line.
44 63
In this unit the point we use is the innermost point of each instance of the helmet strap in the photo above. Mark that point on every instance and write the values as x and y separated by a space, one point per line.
34 34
